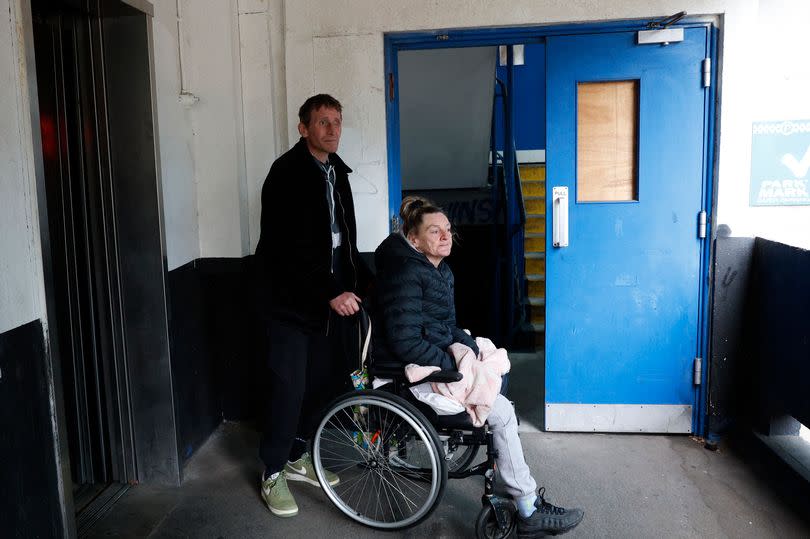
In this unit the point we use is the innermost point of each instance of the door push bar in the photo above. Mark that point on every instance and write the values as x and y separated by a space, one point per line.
560 216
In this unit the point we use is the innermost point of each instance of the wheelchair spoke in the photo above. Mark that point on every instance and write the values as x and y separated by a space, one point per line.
394 488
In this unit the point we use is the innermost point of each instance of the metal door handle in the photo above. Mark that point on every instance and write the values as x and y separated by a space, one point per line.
559 211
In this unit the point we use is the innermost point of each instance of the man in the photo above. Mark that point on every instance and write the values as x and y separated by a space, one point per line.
311 274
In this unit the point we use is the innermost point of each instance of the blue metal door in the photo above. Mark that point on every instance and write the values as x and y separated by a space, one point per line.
624 295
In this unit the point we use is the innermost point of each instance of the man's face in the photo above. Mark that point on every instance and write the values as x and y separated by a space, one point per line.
323 132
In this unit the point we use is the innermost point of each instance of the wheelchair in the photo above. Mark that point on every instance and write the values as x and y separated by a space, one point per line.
394 455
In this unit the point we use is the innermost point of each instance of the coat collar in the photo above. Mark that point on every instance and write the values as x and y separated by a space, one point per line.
334 159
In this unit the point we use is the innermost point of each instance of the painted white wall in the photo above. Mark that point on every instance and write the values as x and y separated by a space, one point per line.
176 142
209 42
768 80
21 282
338 47
218 143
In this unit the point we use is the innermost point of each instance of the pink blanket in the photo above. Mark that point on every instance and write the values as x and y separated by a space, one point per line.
481 383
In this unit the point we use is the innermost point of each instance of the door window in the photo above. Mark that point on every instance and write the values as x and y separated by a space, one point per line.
607 141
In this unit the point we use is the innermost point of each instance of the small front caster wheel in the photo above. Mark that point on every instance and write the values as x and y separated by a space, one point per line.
487 527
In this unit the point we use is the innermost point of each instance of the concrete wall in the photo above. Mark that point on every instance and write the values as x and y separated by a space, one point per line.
21 282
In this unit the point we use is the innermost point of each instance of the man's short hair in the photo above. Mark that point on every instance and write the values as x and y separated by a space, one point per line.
314 103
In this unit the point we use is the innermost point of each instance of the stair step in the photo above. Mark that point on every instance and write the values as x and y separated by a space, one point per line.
537 302
537 289
534 255
535 223
535 265
534 242
535 204
533 187
533 172
535 277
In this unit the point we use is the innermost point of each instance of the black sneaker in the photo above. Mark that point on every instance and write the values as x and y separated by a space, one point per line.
548 519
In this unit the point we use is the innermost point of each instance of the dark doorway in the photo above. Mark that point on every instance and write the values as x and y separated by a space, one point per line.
106 249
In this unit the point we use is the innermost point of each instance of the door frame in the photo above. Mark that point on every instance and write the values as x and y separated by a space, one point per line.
66 521
394 42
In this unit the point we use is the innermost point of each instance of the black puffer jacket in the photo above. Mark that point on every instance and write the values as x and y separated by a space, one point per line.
414 313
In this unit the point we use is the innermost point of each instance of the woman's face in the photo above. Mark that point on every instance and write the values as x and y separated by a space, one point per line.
434 238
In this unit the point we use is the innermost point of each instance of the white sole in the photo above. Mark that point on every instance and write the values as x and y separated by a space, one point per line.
283 513
305 479
280 512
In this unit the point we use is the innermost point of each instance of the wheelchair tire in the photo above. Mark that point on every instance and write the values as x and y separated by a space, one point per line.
387 456
486 525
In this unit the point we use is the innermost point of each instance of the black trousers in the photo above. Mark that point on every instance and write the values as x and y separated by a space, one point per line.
305 371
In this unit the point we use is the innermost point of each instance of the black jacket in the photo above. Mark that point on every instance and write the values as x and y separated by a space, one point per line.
294 254
414 313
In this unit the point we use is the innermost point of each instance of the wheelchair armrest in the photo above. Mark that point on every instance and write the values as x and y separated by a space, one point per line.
395 371
387 370
443 377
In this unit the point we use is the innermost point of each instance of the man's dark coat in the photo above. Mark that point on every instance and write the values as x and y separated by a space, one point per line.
294 253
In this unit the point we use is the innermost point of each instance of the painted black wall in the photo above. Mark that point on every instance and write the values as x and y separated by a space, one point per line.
731 359
760 343
781 330
217 346
29 497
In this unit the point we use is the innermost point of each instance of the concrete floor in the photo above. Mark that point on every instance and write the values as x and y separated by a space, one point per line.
629 486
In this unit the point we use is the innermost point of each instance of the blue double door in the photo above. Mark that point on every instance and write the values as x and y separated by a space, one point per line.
624 295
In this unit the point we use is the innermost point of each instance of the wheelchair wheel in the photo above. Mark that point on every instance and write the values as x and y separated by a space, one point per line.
387 455
486 525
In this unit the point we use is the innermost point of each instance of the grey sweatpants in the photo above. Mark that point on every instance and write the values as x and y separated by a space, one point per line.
512 466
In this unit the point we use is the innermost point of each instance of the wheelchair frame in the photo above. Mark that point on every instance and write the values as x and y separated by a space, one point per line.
497 518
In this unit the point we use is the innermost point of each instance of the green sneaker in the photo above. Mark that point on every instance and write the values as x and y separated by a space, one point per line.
304 470
277 496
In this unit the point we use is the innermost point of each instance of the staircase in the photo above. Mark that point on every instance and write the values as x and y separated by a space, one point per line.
533 182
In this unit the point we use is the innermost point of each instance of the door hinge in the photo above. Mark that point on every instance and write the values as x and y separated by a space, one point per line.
395 223
707 72
702 224
390 86
697 371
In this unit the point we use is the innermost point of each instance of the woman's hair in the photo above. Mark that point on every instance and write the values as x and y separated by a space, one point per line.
413 209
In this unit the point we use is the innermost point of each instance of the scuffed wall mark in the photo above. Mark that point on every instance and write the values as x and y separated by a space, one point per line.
361 185
728 277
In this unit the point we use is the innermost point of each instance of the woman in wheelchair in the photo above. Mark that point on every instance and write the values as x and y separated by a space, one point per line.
416 324
392 461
